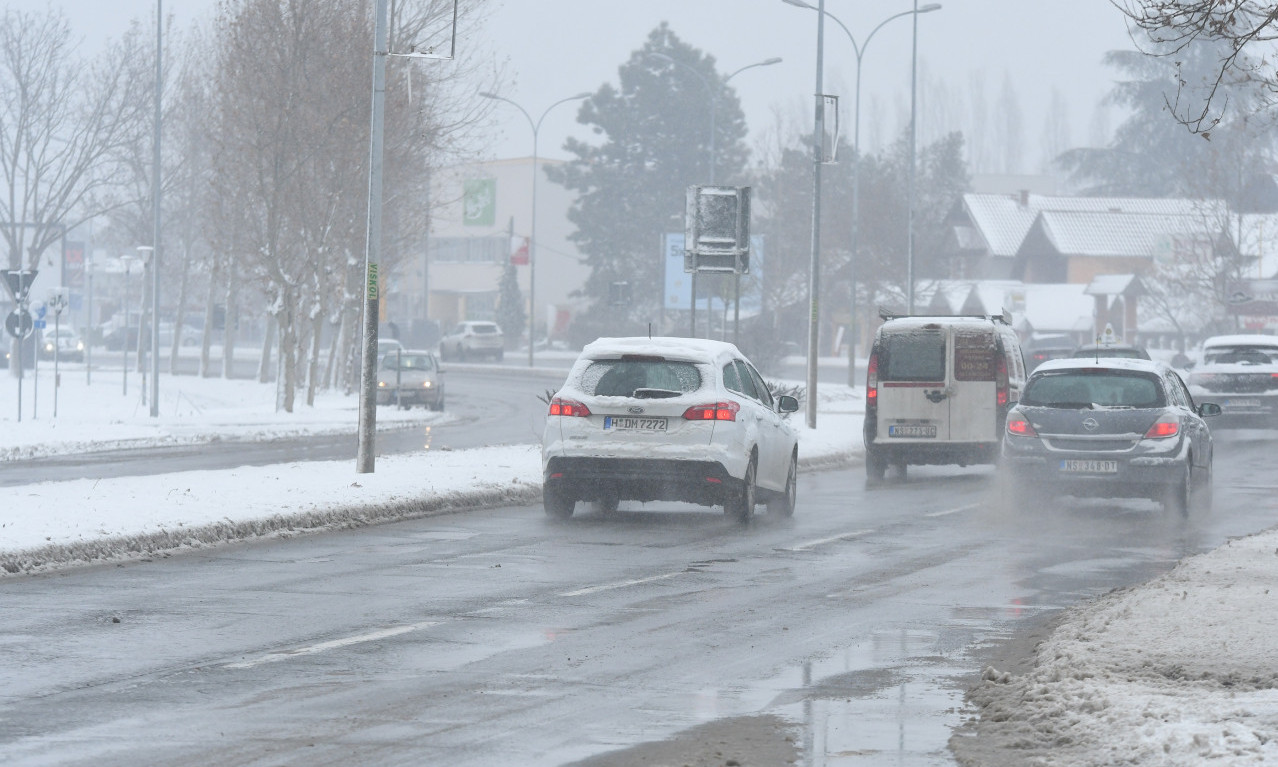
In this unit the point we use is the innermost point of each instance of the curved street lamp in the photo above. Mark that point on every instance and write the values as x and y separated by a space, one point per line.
532 236
713 93
859 49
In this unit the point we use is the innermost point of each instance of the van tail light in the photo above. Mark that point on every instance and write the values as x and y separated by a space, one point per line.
719 411
568 407
1017 425
1167 426
872 380
1000 380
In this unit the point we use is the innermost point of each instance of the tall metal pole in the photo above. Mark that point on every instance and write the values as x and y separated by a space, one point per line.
532 226
914 122
88 331
125 306
365 457
155 216
814 266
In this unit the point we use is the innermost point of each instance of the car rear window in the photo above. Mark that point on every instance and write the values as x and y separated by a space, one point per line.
620 378
1078 389
913 355
1255 355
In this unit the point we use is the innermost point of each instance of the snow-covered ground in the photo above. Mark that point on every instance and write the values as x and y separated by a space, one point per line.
1179 671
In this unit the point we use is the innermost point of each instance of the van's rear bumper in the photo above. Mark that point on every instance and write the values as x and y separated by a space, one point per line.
962 453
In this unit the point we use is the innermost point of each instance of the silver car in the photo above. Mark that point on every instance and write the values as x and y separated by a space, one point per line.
407 378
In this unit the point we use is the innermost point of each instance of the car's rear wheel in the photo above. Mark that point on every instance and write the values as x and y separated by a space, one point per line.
875 466
1176 498
741 506
557 503
783 505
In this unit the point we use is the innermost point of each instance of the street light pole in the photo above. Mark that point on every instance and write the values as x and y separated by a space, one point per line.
128 266
155 217
914 128
713 93
532 226
814 264
859 49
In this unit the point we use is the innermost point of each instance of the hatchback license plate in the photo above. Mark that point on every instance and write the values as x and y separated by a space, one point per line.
912 430
1090 467
628 423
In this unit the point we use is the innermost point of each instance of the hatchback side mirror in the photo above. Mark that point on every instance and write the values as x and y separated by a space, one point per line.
787 404
1208 409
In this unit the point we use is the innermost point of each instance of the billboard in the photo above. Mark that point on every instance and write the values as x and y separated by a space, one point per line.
479 202
678 284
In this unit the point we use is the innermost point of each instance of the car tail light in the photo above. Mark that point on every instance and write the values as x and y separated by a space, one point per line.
719 411
872 380
1167 426
568 407
1000 380
1020 427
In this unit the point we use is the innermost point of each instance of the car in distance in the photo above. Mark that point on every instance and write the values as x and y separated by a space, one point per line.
1040 349
1240 372
668 419
63 343
473 339
1102 351
1113 428
407 378
937 390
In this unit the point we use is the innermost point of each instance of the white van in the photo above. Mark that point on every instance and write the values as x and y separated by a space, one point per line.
938 389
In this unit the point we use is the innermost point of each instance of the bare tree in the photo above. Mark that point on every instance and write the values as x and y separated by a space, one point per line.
1168 27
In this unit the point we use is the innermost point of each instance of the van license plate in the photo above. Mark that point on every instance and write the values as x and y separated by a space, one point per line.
1090 467
628 423
912 430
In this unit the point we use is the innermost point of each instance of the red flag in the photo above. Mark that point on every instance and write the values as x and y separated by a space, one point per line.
519 256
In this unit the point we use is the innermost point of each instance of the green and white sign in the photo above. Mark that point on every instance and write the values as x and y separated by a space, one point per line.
479 204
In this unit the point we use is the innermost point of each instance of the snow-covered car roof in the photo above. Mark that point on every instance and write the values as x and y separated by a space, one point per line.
668 347
922 321
1106 363
1254 339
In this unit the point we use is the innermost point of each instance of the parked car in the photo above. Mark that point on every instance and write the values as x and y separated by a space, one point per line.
1240 373
190 335
1040 349
114 340
937 390
472 339
668 419
62 342
1113 428
1120 351
407 378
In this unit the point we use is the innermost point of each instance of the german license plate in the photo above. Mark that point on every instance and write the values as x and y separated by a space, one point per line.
630 423
1089 467
1243 402
912 430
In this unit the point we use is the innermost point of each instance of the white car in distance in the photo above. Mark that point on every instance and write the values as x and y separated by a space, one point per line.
668 419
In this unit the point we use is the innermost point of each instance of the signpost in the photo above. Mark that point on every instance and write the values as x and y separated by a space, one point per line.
58 302
717 237
19 323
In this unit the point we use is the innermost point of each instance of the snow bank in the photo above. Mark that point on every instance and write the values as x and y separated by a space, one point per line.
1182 670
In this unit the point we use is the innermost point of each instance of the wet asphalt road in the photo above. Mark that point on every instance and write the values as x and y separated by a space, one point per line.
494 637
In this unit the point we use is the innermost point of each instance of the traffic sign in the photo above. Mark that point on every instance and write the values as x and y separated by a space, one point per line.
19 323
19 282
41 324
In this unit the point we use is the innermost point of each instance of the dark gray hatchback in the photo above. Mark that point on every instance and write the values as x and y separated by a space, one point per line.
1108 428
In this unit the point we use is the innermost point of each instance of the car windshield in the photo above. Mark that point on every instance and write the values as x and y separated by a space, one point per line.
1121 352
484 329
1247 355
622 378
1087 389
394 361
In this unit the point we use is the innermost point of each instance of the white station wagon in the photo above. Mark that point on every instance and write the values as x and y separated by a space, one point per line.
668 419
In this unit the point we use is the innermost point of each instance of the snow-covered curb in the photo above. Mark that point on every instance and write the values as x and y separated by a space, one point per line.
1182 670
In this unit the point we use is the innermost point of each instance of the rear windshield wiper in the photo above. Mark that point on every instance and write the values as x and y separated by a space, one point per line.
655 393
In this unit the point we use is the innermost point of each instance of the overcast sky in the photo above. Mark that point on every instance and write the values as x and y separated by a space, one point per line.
556 48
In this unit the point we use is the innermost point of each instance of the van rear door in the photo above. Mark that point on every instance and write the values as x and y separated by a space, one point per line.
912 381
973 391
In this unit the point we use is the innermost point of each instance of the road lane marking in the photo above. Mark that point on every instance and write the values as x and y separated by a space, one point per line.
831 539
332 645
620 584
958 510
